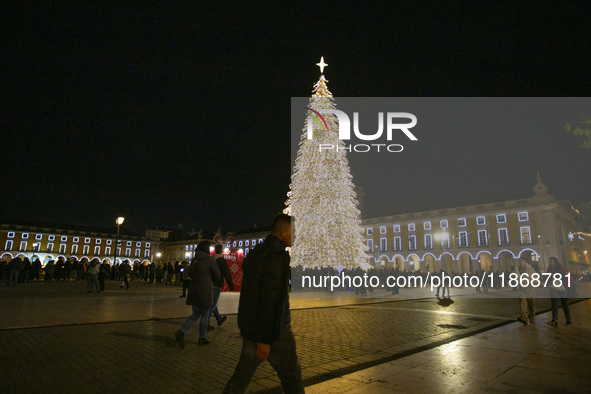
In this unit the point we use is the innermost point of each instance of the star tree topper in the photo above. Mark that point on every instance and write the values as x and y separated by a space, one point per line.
321 64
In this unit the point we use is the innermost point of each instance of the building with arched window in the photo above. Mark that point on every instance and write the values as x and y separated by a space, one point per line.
52 242
486 237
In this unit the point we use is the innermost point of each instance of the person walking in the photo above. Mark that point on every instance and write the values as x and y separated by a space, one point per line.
103 274
186 280
444 284
558 295
92 283
13 268
169 274
125 271
203 271
263 313
526 299
219 284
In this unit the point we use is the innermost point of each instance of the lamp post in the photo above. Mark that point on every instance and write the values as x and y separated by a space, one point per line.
119 222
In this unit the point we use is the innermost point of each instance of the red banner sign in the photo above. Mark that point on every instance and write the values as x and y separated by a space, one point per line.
234 258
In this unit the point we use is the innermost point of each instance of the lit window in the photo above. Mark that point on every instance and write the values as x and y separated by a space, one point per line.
501 218
240 244
75 239
463 239
411 227
108 242
38 237
370 231
428 241
246 243
137 253
25 236
128 244
23 246
370 245
503 236
147 253
444 240
234 244
462 222
147 244
482 238
49 248
62 248
74 249
444 224
525 235
128 252
51 237
383 245
254 242
64 238
107 251
85 249
260 240
97 241
86 240
523 216
396 228
97 250
481 220
11 235
412 242
8 245
246 251
397 243
427 226
138 244
383 230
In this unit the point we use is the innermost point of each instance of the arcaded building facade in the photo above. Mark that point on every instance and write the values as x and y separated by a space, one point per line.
481 237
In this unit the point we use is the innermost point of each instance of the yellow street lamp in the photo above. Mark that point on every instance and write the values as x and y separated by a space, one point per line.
119 222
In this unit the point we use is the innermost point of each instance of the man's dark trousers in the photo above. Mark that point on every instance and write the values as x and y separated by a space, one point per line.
283 359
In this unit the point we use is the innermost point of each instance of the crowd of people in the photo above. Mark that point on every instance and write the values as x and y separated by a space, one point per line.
22 270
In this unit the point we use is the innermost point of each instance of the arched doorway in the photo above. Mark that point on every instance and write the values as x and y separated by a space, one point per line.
447 263
505 261
430 264
399 263
484 262
414 263
465 263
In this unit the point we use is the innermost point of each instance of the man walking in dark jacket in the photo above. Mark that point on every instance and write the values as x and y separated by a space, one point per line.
263 313
219 284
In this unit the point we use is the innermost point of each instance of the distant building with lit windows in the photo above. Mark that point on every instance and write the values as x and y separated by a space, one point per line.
183 247
481 237
51 241
246 240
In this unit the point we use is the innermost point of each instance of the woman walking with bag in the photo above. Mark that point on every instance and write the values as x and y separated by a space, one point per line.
559 295
203 271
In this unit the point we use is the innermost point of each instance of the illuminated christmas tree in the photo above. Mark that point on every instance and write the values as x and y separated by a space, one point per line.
322 196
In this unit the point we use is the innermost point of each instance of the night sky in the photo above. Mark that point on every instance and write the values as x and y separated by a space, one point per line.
180 114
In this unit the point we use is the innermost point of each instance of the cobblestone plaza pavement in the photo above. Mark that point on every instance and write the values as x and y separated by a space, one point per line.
55 337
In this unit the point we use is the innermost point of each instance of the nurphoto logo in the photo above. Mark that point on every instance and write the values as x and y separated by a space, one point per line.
392 125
